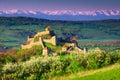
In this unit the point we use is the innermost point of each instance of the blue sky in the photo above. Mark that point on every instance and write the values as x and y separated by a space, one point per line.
59 4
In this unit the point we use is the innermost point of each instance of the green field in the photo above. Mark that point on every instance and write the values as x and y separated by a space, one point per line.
14 30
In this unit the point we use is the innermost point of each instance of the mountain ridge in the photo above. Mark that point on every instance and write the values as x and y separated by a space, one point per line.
65 14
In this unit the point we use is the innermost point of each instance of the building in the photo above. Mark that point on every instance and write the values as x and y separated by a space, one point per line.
48 36
64 48
45 51
40 38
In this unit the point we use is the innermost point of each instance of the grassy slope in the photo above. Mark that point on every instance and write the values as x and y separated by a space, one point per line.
14 30
107 73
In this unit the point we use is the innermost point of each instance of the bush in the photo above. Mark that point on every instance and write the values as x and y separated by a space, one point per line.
25 54
45 67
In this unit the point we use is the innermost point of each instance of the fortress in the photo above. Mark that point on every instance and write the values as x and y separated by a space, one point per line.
40 38
48 36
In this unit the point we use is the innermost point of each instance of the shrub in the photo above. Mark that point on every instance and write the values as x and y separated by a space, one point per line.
25 54
41 67
8 59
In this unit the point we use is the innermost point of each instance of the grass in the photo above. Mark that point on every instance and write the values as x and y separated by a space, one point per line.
90 32
87 42
17 34
107 73
53 47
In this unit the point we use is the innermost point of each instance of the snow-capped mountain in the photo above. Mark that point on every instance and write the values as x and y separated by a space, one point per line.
65 14
91 13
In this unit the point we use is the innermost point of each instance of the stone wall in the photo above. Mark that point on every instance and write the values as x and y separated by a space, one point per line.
70 44
42 33
32 43
79 50
51 40
29 39
40 42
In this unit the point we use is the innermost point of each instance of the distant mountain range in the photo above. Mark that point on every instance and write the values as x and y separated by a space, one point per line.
65 14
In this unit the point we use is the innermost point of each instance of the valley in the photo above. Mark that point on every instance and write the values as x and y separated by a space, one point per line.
14 31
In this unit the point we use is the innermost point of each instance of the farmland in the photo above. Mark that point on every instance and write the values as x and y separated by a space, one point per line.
14 30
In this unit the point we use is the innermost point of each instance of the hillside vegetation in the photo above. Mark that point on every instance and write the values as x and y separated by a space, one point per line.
30 64
106 73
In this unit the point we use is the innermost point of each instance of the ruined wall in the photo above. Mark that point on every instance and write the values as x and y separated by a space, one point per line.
42 33
51 40
70 44
79 50
40 42
29 39
32 43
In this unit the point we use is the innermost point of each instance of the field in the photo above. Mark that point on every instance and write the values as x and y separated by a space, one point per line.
14 30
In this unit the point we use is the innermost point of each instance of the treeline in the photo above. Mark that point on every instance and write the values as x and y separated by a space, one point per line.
9 21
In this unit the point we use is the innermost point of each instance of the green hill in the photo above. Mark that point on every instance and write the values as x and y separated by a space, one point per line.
14 30
106 73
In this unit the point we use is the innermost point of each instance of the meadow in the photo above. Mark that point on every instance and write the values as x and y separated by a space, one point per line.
14 30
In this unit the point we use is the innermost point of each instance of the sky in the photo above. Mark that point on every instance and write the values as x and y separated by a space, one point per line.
37 5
